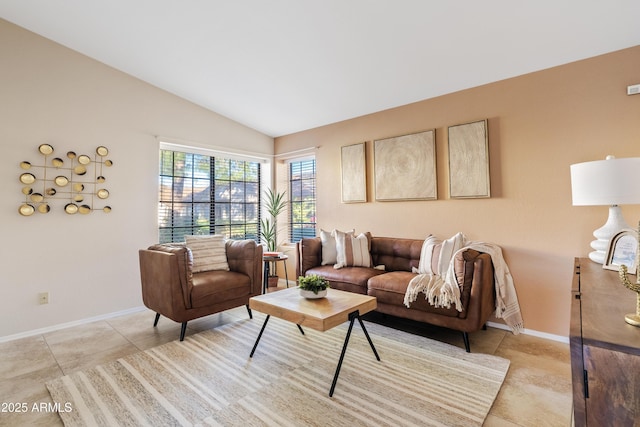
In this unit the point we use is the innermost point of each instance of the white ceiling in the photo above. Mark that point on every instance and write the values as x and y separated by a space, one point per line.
282 66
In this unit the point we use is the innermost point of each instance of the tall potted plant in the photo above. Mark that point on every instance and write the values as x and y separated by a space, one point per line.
275 204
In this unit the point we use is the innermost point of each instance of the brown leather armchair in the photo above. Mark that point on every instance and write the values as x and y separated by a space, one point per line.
171 289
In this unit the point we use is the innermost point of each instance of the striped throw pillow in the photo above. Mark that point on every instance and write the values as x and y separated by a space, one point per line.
352 251
209 252
329 251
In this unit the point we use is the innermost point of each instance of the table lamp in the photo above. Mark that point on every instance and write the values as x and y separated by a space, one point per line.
611 182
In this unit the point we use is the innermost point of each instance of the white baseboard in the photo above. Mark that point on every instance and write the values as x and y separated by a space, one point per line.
532 332
70 324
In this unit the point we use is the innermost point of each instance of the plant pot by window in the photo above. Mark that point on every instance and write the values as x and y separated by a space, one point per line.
272 281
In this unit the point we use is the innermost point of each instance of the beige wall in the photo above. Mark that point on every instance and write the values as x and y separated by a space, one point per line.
89 264
539 124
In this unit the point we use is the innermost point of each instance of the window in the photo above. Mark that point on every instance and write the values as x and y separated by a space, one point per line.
200 194
302 190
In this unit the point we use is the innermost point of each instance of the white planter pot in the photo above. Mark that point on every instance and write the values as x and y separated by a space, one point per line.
311 295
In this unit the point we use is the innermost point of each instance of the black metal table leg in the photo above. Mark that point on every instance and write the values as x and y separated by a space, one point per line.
259 335
366 334
352 318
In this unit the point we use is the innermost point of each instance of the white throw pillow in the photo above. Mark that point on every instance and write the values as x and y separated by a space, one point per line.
448 249
209 252
329 252
352 251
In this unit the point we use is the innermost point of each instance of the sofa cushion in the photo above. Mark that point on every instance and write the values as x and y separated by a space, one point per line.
389 288
209 252
350 279
353 251
396 254
212 287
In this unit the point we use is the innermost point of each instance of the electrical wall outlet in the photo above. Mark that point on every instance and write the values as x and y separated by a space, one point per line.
633 89
43 297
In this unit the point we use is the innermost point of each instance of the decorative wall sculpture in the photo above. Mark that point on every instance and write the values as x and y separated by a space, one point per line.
78 183
469 161
405 167
354 173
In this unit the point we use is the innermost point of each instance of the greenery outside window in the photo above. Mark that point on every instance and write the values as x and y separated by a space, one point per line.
302 199
201 194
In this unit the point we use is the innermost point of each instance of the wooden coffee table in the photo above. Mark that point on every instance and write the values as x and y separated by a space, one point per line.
320 314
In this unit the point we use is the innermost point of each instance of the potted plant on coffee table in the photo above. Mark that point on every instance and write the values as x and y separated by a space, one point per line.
313 286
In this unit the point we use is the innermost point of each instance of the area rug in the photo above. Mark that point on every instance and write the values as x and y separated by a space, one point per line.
209 379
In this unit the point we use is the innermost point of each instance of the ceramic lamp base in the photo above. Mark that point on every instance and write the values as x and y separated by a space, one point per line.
615 223
632 319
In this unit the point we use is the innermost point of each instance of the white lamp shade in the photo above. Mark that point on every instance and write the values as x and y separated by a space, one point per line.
606 182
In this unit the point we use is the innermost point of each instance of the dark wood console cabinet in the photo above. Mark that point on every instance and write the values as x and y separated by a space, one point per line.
605 350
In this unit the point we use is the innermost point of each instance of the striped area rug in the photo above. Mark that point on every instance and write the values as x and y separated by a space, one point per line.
209 380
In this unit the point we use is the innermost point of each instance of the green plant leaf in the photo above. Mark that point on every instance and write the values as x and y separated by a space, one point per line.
313 283
275 204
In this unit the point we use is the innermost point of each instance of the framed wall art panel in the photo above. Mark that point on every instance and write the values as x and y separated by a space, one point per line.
405 167
354 173
469 161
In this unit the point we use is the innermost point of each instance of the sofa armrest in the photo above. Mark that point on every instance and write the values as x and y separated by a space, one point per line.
166 277
308 255
484 288
475 275
245 256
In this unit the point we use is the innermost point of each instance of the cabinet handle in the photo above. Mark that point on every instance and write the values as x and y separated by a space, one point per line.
586 384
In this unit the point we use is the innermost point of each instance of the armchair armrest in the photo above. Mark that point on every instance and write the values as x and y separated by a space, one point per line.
245 256
166 276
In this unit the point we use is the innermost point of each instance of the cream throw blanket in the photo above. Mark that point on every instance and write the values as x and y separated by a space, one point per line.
441 287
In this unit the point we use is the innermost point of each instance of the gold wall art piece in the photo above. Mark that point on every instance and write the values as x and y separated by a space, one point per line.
405 167
354 173
469 161
76 182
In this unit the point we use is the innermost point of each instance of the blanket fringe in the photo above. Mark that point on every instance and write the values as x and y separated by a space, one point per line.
435 290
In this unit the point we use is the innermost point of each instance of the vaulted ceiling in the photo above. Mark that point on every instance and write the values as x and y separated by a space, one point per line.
283 66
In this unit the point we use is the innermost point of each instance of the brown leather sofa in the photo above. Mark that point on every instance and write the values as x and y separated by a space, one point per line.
474 271
170 288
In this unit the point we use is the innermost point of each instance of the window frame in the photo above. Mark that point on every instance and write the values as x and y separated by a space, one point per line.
252 170
297 228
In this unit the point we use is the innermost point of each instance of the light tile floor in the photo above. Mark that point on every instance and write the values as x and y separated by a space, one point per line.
536 392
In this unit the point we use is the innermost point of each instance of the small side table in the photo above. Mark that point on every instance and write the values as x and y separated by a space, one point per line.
267 269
